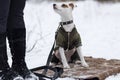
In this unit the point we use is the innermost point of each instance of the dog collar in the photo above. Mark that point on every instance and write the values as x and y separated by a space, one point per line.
66 23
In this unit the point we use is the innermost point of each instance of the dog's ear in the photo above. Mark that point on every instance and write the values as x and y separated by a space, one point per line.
72 5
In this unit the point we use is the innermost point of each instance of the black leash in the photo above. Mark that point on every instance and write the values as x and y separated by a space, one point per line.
49 59
57 72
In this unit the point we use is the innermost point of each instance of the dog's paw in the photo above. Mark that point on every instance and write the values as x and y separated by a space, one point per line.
66 66
77 62
52 64
84 64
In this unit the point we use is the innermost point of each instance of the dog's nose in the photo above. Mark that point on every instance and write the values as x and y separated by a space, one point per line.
54 5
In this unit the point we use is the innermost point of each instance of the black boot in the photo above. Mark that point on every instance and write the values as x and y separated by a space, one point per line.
21 68
17 41
3 53
9 74
6 73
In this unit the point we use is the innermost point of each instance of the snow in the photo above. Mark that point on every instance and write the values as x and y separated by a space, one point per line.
114 77
97 23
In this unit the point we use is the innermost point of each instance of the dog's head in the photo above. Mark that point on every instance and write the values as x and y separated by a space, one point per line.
63 9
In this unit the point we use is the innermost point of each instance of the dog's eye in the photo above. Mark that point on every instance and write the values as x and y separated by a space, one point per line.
64 6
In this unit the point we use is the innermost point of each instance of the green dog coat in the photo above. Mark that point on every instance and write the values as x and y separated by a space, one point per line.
68 40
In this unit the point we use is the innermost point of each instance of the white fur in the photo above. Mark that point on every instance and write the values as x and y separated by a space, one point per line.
63 58
83 62
66 15
69 27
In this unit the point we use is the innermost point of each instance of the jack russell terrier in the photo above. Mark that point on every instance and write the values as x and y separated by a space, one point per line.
68 41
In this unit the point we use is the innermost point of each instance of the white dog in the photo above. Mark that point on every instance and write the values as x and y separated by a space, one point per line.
68 40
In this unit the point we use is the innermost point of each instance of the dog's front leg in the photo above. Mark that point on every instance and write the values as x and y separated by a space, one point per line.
83 62
63 58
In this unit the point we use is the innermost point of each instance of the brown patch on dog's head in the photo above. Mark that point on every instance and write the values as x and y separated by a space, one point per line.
71 5
64 5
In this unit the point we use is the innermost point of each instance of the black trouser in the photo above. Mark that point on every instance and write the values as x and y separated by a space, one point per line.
12 27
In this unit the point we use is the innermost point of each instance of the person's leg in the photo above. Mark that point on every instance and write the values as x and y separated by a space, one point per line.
16 33
4 9
6 73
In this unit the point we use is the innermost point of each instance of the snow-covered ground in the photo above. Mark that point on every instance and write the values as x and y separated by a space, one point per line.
98 24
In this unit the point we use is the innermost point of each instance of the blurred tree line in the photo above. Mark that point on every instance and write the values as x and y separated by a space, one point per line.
108 0
91 0
77 0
